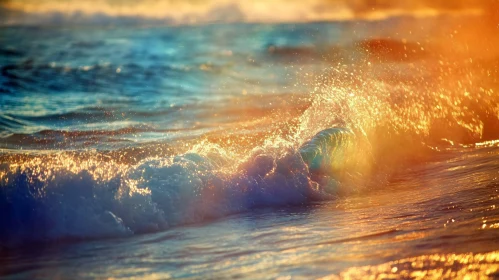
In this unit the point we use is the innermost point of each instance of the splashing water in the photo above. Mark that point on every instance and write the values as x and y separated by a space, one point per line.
360 119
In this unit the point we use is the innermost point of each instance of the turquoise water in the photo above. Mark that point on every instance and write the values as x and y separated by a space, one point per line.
154 83
247 150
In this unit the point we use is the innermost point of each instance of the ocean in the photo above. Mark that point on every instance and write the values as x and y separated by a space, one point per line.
347 149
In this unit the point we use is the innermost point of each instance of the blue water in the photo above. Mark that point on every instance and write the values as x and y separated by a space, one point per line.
157 82
245 150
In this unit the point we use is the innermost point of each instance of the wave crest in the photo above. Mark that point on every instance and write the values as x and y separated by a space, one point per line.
58 203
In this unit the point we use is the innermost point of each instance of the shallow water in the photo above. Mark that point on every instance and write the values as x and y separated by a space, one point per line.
249 150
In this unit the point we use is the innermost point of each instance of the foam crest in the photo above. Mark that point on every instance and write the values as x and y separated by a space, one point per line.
57 203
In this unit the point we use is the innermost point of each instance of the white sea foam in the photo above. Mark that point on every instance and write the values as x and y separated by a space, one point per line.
157 193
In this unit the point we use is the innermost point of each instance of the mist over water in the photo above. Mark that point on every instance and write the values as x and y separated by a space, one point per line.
117 132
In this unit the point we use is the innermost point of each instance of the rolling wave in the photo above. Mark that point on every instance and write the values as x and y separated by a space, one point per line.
380 107
57 204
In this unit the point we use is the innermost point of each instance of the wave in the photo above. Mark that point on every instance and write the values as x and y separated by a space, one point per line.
31 75
58 203
354 131
10 123
363 122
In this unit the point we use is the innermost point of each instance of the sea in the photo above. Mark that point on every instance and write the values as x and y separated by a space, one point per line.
335 150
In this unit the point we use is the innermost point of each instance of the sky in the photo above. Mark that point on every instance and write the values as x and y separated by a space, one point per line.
14 12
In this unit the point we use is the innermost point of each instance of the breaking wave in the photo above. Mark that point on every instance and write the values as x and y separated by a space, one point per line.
386 106
155 194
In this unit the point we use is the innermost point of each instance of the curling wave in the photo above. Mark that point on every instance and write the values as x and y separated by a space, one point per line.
57 204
